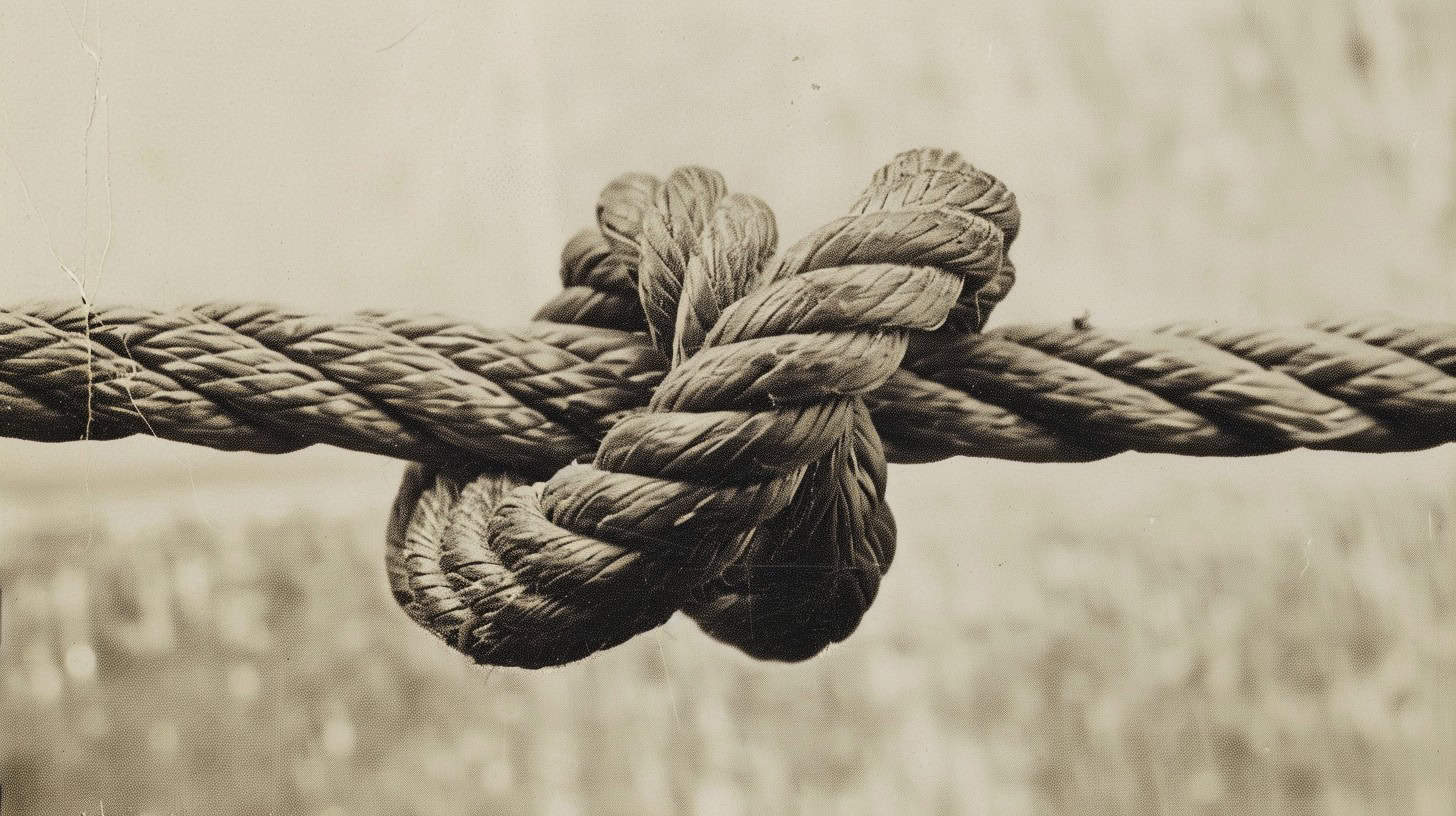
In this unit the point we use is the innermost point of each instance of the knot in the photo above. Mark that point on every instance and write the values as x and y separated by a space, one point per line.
749 491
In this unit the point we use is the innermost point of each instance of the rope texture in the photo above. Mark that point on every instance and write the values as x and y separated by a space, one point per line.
697 423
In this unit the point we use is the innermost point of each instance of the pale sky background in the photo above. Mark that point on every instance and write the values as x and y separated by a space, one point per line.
1259 162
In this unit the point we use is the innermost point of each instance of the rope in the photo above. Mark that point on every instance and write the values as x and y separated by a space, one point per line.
697 423
248 377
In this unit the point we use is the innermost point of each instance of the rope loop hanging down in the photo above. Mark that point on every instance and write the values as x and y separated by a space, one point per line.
700 422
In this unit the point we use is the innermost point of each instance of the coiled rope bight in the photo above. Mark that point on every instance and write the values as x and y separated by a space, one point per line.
701 423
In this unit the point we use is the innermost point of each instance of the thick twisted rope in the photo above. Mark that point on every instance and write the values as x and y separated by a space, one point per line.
1019 392
738 406
1333 385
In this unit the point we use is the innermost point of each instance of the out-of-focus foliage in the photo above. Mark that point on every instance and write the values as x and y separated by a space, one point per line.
1185 650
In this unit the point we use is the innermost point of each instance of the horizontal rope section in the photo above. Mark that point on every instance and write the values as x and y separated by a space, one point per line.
431 389
250 377
701 422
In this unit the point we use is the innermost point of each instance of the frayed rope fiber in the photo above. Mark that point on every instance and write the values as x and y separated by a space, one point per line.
700 422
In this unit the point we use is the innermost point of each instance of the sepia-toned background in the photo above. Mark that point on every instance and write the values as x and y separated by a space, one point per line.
189 632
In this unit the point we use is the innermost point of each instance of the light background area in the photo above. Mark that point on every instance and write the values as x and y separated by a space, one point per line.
1256 162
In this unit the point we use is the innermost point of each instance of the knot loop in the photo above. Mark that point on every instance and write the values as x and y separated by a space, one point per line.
750 490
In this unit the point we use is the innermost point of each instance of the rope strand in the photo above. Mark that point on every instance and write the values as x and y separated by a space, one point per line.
1037 392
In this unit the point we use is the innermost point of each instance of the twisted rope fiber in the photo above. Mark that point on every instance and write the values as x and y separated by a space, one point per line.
740 406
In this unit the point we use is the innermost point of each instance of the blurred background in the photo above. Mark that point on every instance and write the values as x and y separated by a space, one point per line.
186 631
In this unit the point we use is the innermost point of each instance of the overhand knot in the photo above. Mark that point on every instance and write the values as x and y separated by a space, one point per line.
749 491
